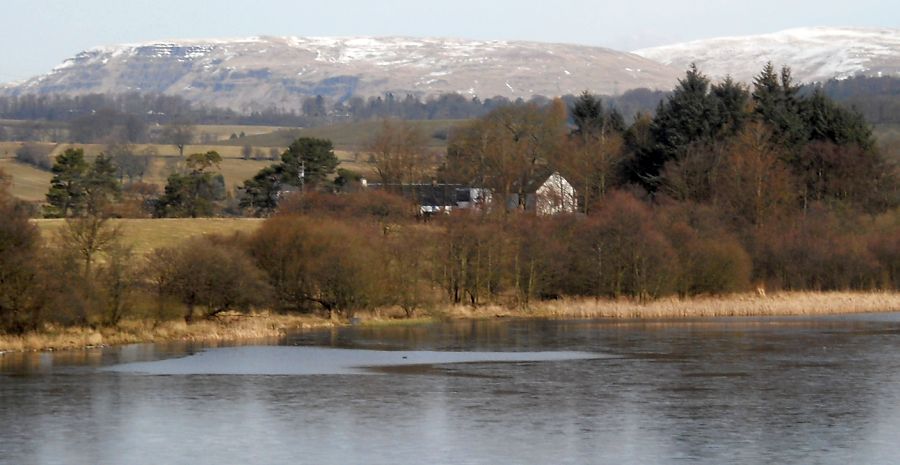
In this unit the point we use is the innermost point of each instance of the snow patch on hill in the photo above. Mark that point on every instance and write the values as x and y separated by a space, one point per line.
814 54
261 72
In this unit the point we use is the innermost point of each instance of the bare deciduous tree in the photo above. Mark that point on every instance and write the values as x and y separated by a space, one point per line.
400 153
179 134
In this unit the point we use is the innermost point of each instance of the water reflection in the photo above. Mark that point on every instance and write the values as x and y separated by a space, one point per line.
754 390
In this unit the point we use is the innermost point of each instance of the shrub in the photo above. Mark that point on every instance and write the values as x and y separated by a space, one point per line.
35 155
316 263
19 247
206 276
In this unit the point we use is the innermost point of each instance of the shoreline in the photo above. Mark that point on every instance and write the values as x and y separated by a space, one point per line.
262 326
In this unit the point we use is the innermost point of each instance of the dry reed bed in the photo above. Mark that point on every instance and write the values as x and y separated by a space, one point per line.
780 304
263 326
229 328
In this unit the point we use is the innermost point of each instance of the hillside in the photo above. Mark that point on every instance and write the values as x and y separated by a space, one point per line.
260 73
814 54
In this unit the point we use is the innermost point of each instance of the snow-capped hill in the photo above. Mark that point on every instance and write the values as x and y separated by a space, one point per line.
814 54
265 72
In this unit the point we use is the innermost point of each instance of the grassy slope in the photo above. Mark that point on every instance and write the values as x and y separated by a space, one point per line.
28 183
147 234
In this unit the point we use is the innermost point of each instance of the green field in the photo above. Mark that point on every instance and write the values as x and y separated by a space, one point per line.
347 136
222 132
148 234
31 184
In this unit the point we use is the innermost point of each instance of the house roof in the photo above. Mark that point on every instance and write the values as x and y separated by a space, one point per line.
540 176
430 195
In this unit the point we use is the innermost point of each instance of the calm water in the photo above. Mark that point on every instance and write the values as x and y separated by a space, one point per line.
715 391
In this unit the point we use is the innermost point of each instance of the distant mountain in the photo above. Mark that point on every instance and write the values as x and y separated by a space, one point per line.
264 72
814 54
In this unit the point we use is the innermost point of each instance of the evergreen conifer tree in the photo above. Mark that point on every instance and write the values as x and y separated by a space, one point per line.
308 161
67 187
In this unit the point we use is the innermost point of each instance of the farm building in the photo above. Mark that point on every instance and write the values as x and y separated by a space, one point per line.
550 194
438 198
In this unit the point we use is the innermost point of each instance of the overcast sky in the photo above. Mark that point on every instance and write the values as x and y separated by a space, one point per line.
39 34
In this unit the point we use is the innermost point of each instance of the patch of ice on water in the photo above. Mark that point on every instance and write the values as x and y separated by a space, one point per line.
280 360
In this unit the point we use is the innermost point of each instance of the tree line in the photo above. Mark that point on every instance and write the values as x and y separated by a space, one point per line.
133 118
338 254
128 117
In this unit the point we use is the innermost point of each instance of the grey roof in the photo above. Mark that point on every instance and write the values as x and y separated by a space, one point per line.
428 195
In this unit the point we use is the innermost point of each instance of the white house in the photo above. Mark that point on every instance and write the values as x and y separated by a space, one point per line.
548 195
556 195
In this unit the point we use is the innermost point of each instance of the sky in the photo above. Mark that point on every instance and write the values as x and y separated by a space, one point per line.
39 34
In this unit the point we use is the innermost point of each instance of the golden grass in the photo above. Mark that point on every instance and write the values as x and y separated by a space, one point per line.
258 326
144 235
236 171
28 183
736 305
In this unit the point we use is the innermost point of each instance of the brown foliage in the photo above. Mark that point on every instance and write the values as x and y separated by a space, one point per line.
400 152
406 268
815 252
592 164
318 263
831 172
137 201
470 257
884 244
627 254
19 247
506 148
692 176
376 206
754 185
208 276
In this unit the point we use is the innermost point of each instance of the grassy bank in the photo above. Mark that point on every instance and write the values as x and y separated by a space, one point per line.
266 326
229 328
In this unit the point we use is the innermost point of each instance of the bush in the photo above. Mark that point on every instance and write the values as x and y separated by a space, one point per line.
19 247
625 250
207 276
316 263
373 206
35 155
816 252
